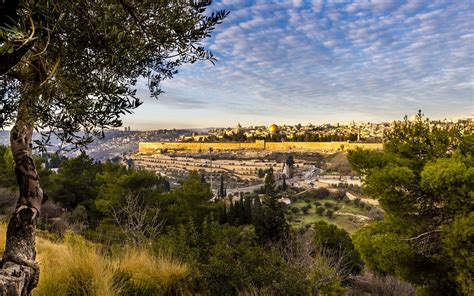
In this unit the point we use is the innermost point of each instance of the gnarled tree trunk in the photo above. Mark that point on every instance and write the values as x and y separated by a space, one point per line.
19 273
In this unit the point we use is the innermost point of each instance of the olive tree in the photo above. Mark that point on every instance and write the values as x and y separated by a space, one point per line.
69 70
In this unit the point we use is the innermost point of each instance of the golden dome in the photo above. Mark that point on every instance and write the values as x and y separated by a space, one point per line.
273 129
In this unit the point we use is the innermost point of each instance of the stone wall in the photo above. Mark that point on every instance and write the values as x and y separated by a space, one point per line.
156 147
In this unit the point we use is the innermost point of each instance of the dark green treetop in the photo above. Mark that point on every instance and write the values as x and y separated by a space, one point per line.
424 180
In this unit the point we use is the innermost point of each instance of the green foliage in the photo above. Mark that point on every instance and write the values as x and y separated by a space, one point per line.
226 260
330 213
270 223
423 179
458 241
383 251
230 268
269 186
93 53
320 210
239 213
321 193
330 237
306 209
115 181
75 182
190 202
7 176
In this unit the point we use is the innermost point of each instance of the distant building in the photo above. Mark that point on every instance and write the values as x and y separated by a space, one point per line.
273 129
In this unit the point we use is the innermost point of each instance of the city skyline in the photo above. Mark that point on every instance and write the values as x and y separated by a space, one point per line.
309 61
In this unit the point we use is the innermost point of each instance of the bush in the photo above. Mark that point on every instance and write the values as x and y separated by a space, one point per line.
332 238
376 214
340 194
330 213
384 285
328 205
231 267
295 210
8 201
321 193
320 210
50 210
58 227
305 209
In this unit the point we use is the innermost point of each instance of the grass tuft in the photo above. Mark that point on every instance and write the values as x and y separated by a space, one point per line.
75 266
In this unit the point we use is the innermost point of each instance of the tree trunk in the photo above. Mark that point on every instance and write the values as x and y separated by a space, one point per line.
19 273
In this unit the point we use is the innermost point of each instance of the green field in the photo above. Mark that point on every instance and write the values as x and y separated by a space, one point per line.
347 222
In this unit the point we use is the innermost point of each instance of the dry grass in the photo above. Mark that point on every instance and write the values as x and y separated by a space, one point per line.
75 267
150 273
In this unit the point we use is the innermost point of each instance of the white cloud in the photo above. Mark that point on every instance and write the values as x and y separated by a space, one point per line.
289 58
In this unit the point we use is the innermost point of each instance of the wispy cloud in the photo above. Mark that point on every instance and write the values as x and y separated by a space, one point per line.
305 59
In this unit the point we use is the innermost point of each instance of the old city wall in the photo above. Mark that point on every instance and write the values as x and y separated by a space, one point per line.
319 146
156 147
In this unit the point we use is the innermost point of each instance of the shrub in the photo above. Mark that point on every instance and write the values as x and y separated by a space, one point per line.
59 227
295 210
332 238
328 205
330 213
320 210
376 214
384 285
321 193
305 209
8 200
242 266
339 194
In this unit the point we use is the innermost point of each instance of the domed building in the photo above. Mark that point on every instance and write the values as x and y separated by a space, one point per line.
273 129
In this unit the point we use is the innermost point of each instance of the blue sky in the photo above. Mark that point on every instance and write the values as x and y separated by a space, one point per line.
324 61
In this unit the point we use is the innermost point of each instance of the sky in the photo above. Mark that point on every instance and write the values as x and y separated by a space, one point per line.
289 62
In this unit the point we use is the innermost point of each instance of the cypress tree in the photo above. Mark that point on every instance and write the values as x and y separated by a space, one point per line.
241 211
231 213
248 210
284 186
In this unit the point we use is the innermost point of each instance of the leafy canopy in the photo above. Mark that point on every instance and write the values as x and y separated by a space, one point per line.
82 61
